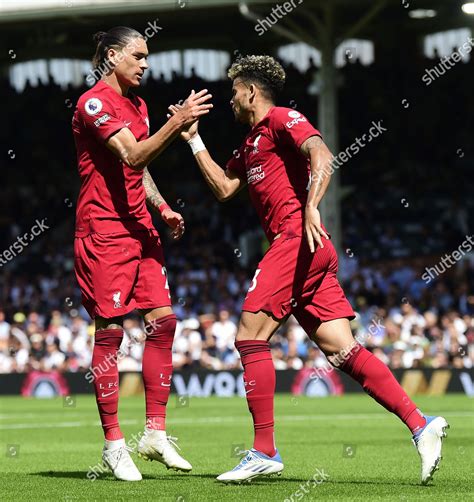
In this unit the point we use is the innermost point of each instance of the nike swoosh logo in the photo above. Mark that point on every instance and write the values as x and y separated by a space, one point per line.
108 394
249 391
128 123
165 384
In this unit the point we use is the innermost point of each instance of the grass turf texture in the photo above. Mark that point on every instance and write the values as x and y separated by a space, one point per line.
48 446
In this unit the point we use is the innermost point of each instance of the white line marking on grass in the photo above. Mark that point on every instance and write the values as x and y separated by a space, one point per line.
43 414
230 420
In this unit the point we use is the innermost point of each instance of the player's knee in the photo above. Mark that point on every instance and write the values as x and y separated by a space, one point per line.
253 338
251 327
108 323
106 338
152 314
109 332
243 335
338 356
162 330
247 334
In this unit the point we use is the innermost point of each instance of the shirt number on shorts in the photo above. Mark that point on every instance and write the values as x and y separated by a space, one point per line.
254 280
165 273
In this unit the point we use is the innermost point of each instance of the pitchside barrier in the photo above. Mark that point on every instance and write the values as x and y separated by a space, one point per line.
203 383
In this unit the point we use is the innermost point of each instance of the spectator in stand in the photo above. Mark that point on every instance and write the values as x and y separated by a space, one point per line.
187 347
224 331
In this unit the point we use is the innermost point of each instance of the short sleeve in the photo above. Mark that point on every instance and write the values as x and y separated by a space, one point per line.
144 112
237 164
98 117
292 127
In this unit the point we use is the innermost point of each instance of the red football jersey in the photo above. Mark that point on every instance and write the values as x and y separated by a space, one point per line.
112 195
276 171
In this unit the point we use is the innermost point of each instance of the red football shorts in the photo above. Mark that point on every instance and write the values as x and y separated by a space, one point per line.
292 280
121 272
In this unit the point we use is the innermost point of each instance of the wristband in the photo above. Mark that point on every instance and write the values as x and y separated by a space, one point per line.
196 144
163 207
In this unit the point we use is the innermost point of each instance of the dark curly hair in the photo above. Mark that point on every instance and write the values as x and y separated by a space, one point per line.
264 71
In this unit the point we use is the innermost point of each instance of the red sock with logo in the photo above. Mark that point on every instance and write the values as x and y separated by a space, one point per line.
379 382
259 380
157 369
106 379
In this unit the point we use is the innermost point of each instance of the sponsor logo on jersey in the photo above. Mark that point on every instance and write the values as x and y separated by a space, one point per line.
116 299
101 120
93 106
255 174
296 120
294 114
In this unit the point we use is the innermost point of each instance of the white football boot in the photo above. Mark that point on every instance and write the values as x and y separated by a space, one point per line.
116 457
254 464
428 442
156 445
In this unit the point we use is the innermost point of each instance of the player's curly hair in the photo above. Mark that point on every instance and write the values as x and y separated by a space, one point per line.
264 71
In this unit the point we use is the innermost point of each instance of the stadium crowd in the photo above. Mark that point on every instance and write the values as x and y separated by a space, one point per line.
402 209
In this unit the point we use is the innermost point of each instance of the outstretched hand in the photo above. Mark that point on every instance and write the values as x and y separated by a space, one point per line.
194 107
187 132
175 221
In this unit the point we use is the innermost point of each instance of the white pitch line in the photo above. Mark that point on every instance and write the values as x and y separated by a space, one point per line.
43 414
216 420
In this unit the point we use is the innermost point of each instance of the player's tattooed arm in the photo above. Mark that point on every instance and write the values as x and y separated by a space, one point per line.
223 184
320 159
156 201
138 154
310 144
153 197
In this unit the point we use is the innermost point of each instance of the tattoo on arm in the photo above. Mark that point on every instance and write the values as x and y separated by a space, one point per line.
310 143
321 160
153 196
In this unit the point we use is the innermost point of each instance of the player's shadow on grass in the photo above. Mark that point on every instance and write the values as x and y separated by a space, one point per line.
367 482
267 481
109 477
78 475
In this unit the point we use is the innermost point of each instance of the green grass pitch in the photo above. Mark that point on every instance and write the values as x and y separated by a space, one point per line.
364 452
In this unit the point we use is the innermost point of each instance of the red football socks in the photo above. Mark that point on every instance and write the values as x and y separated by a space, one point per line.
106 379
259 379
158 369
379 382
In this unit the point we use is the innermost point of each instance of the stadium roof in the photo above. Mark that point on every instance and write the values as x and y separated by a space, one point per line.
36 29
